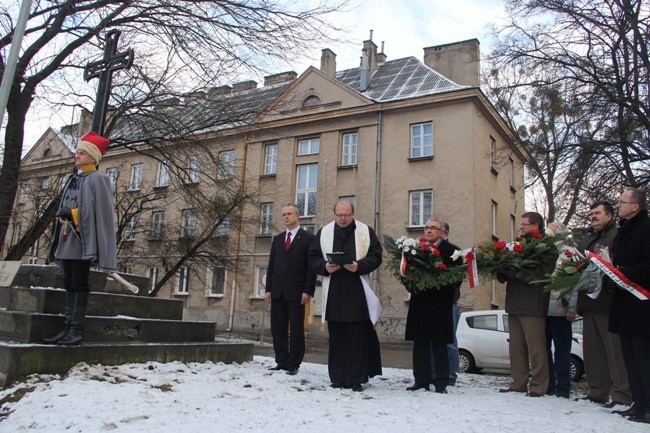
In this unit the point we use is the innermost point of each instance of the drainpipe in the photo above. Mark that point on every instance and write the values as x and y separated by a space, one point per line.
380 119
233 294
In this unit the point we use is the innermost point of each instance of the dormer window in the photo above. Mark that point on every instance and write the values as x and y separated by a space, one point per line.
47 152
311 101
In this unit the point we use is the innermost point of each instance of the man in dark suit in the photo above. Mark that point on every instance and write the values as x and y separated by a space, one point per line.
290 285
430 322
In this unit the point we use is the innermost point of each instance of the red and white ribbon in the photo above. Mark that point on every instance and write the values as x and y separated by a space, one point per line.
402 265
621 280
472 270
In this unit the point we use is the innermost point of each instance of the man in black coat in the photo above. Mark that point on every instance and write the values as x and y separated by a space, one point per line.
630 316
430 322
290 285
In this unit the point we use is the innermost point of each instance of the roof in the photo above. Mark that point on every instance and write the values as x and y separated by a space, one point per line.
400 79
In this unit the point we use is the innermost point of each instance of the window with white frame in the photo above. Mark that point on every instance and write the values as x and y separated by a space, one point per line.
266 219
136 177
421 140
18 233
183 280
224 228
306 188
349 151
193 169
33 253
217 280
112 176
309 146
494 218
493 154
163 174
511 173
421 206
226 169
261 274
188 224
129 234
152 273
311 228
22 194
45 184
158 225
126 269
271 158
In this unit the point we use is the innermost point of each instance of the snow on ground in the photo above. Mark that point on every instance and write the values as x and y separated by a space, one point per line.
196 397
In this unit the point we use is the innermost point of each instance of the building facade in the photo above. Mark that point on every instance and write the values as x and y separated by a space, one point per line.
404 140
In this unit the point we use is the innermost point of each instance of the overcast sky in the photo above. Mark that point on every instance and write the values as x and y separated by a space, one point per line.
406 27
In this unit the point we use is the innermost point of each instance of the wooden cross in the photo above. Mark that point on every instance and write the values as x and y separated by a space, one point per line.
112 61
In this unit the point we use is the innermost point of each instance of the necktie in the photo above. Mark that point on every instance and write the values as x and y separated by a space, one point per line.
287 243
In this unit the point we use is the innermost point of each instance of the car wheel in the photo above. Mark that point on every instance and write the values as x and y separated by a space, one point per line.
466 362
577 368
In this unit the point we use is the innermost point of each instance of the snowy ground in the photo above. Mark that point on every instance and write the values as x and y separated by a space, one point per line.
192 398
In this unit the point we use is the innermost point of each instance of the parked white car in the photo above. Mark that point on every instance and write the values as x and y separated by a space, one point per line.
483 342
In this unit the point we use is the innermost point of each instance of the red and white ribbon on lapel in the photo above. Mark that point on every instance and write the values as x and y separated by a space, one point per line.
621 280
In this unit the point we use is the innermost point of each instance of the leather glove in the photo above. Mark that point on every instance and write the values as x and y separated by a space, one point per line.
65 213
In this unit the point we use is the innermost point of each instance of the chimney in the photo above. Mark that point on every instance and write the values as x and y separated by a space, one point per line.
371 48
458 61
381 57
193 96
221 90
244 85
328 62
280 78
364 73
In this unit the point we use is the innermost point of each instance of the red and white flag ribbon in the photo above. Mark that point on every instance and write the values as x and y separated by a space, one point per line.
472 270
402 265
621 280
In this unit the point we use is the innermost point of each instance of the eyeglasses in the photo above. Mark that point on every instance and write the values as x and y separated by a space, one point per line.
526 224
627 202
343 215
432 228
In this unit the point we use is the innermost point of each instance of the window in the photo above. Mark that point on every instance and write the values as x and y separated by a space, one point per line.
421 203
352 199
183 280
224 228
193 169
350 148
266 219
126 269
33 253
494 218
18 233
153 278
22 195
163 174
307 185
130 229
309 146
217 280
511 174
311 228
513 227
488 321
261 274
226 169
493 155
158 225
45 184
311 101
136 177
421 140
188 226
112 175
270 158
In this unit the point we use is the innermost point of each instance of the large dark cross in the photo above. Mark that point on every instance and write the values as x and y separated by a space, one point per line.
112 61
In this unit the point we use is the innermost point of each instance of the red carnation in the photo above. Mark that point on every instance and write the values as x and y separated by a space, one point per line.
518 238
442 266
436 252
517 248
422 240
501 245
537 234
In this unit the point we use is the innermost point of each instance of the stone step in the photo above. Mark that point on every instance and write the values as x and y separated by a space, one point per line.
19 360
52 301
31 327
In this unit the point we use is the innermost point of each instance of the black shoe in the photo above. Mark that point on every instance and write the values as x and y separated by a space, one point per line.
292 371
336 385
534 394
356 387
613 403
643 417
509 390
591 399
452 381
634 410
417 386
561 394
441 390
277 368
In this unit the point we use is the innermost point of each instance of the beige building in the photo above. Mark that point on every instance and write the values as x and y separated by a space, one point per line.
403 139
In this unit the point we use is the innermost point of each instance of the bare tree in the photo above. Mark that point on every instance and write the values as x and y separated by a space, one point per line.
177 42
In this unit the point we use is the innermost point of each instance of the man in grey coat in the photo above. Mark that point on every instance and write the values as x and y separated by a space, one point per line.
84 234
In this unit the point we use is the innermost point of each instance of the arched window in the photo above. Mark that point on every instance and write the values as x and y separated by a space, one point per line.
311 101
47 152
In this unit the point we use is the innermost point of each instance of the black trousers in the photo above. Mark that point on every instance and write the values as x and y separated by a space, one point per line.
423 353
287 329
348 352
75 275
636 354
